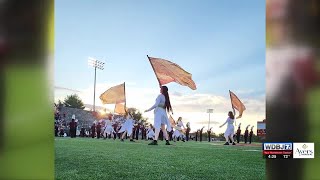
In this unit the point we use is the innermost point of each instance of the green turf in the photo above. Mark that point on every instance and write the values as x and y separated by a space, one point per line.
86 158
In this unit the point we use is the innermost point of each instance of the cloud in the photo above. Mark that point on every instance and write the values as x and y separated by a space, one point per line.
207 121
66 89
177 94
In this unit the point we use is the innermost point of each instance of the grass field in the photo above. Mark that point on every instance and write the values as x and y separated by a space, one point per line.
86 158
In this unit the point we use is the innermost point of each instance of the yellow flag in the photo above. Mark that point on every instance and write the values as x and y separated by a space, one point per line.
167 72
237 104
114 95
120 109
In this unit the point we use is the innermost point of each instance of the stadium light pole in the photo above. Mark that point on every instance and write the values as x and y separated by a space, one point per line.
209 111
96 64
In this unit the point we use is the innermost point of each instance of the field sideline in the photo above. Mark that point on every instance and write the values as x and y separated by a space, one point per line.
86 158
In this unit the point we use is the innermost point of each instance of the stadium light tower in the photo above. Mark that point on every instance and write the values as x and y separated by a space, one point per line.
96 64
209 111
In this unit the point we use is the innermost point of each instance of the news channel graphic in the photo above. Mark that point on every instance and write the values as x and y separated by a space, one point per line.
288 150
303 150
277 150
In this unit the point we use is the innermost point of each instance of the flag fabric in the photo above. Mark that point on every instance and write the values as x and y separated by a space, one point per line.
172 122
167 72
237 104
120 109
114 95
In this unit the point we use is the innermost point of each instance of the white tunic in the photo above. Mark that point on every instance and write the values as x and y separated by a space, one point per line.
177 132
108 129
230 128
180 125
160 114
150 133
127 126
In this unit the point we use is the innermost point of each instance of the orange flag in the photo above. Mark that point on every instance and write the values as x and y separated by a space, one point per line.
237 104
167 72
120 109
114 95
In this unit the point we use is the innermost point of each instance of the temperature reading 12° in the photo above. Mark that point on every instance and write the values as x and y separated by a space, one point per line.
286 156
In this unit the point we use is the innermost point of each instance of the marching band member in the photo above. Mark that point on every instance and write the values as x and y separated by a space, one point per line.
188 131
246 134
98 130
250 135
93 130
73 128
197 134
238 133
201 133
209 133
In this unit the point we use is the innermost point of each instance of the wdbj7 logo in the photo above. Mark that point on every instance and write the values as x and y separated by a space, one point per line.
303 150
277 146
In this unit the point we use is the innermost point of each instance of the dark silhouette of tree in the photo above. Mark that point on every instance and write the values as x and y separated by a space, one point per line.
137 115
73 101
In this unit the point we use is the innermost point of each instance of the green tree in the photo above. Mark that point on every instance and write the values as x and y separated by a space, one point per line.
213 135
73 101
221 135
137 115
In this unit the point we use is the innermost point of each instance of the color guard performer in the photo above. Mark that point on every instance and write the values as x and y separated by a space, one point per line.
230 128
108 129
150 133
178 130
161 107
127 128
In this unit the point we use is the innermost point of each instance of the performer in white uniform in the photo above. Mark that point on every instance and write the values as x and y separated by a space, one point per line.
127 128
161 107
77 131
230 128
178 130
150 132
108 129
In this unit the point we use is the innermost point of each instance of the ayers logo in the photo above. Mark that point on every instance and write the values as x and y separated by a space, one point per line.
303 150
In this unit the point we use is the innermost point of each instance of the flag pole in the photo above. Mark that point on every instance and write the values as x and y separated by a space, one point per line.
125 97
154 71
234 112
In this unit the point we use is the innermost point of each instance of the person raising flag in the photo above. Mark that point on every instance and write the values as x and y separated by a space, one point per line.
230 128
161 107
